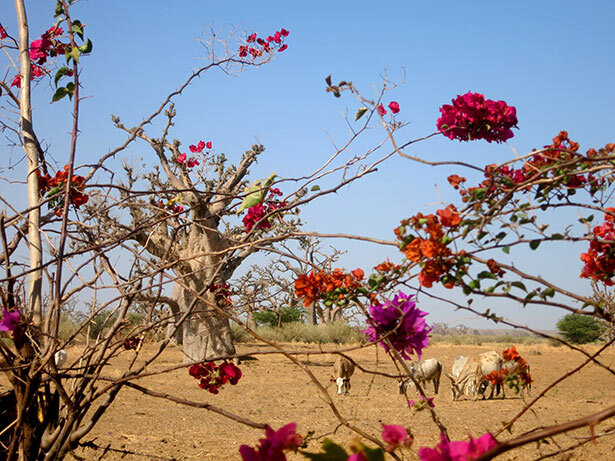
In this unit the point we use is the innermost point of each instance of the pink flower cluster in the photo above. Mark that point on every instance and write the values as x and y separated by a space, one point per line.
256 46
393 105
421 404
47 46
9 321
272 447
395 436
473 117
3 33
403 324
213 376
257 212
458 451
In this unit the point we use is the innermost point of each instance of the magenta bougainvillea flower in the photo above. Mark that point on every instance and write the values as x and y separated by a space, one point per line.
395 436
181 158
473 117
272 447
9 321
381 110
357 457
459 450
403 322
394 106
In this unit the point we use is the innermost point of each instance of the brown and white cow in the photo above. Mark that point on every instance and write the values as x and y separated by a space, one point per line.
343 370
472 374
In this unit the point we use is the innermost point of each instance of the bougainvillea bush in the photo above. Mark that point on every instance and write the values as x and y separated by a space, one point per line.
161 243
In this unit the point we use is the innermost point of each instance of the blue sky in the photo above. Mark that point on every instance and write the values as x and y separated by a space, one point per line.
553 60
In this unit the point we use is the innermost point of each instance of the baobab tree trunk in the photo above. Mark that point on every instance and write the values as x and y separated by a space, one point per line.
310 315
206 332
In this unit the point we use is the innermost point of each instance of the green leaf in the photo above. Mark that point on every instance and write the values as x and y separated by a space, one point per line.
59 10
475 284
360 113
548 293
506 249
73 54
78 28
500 236
373 454
332 452
534 244
59 94
486 275
478 193
557 236
86 47
62 71
256 193
315 188
519 285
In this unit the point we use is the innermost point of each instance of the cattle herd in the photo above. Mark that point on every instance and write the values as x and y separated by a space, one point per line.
470 376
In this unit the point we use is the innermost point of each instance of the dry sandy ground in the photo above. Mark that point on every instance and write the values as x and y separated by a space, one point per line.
272 390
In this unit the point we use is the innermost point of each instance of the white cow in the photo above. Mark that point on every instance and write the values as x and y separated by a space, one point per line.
428 370
343 370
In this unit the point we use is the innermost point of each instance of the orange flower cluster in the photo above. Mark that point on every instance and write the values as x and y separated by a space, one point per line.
432 251
387 266
317 285
496 377
54 188
521 372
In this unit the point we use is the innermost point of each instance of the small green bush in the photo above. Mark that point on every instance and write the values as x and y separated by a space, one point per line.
287 314
580 329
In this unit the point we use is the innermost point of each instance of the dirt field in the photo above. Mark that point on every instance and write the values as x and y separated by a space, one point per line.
274 391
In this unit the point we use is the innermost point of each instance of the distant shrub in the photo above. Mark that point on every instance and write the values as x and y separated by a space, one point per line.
479 340
580 329
287 314
335 332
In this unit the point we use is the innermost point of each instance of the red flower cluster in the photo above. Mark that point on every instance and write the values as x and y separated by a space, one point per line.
192 161
3 33
431 252
272 447
268 45
213 376
260 210
132 343
171 206
221 291
393 105
556 161
319 285
54 188
47 46
600 258
473 117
